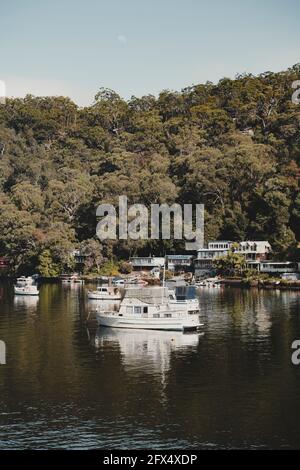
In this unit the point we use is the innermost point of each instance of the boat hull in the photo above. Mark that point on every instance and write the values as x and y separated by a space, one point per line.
28 293
114 321
92 296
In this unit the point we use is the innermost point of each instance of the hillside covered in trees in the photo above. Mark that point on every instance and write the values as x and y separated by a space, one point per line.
234 146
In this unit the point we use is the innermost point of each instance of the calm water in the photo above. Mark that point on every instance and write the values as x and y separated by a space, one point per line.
232 386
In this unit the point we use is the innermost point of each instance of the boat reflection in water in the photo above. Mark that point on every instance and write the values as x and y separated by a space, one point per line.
146 348
29 302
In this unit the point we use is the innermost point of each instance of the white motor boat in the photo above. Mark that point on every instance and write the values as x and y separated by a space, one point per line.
105 293
118 282
26 290
215 283
135 281
71 278
150 308
26 286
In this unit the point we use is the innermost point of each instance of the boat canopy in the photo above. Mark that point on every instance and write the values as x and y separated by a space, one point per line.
151 295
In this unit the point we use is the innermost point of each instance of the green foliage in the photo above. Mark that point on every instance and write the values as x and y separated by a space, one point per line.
47 267
233 146
125 267
91 250
168 275
232 265
109 268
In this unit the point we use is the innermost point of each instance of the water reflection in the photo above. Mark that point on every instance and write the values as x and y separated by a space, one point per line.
28 303
235 386
148 350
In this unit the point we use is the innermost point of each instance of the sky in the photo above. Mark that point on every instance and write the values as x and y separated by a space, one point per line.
137 47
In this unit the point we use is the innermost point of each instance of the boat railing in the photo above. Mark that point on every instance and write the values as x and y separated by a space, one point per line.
165 314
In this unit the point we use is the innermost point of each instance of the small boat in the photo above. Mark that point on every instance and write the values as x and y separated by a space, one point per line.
150 308
136 281
105 293
71 278
118 282
26 290
26 286
215 283
176 282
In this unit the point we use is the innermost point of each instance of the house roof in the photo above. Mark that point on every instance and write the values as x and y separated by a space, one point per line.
179 256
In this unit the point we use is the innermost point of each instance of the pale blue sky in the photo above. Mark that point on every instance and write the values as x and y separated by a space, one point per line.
136 47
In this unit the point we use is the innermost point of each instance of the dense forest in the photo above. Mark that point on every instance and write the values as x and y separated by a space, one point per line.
234 146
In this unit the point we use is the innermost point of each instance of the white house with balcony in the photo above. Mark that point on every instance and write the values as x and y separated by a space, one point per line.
279 267
206 256
253 251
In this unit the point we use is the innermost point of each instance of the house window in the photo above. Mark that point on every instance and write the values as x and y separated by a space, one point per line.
129 309
137 309
156 315
145 309
168 315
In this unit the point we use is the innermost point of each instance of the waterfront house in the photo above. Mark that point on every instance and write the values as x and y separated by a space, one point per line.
179 263
203 264
146 263
79 256
253 251
79 259
286 269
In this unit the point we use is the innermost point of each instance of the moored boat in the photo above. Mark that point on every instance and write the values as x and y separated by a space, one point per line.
26 290
118 282
136 281
104 293
151 309
71 278
26 286
214 283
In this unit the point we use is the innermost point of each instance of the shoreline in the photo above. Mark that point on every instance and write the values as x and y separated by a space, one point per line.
266 284
226 282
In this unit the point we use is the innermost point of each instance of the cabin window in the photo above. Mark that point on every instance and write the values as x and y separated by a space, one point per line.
145 309
137 309
128 309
